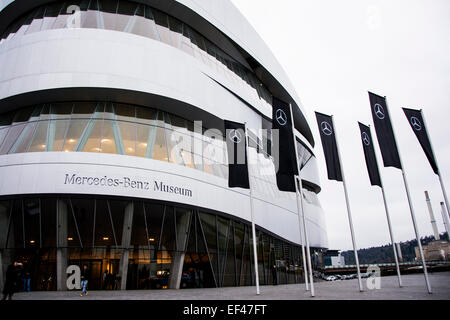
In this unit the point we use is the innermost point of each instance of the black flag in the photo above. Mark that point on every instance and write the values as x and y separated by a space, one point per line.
369 154
383 128
287 159
415 119
329 145
237 155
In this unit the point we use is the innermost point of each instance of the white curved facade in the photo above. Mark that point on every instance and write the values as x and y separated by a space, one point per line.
92 64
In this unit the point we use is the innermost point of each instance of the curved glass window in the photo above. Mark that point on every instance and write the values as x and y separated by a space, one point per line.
107 127
143 20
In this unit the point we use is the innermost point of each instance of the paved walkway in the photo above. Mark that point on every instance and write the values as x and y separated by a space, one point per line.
414 289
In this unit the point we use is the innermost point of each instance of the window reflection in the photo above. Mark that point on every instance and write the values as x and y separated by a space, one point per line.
112 128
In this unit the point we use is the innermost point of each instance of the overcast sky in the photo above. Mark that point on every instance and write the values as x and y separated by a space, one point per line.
334 52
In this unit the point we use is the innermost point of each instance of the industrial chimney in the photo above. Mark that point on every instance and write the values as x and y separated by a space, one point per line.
433 221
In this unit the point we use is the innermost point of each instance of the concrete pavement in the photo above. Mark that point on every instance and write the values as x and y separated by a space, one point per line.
414 289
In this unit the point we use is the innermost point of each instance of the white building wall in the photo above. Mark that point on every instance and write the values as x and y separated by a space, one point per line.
70 58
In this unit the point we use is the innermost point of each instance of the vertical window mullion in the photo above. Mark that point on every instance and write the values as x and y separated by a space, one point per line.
146 228
165 134
23 223
162 228
206 246
175 227
68 126
40 224
218 252
116 133
76 224
87 131
152 136
112 223
95 220
11 204
50 130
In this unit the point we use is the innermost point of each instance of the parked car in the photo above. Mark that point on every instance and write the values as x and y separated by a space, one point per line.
330 278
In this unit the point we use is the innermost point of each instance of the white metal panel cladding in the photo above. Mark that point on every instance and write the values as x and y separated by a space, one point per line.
53 172
226 17
117 60
94 58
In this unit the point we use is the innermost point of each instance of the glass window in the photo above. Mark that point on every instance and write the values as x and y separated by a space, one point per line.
177 31
128 136
3 133
59 129
24 139
32 222
91 16
37 20
143 140
159 146
209 229
83 110
11 137
90 140
124 112
23 115
168 234
16 229
173 145
61 110
74 132
125 13
110 139
83 210
4 221
162 26
139 232
154 213
6 119
142 26
48 216
51 12
108 10
145 115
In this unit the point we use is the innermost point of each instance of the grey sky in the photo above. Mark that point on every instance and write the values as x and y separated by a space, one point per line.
334 52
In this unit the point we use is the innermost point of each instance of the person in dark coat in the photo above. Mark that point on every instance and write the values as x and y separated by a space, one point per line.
274 275
12 280
84 280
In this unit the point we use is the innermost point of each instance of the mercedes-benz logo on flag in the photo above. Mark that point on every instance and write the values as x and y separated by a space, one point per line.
281 117
326 128
365 139
379 111
416 124
235 136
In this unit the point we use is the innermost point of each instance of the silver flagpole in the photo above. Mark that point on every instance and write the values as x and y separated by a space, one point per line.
299 193
255 253
300 208
389 224
355 250
439 171
305 269
411 209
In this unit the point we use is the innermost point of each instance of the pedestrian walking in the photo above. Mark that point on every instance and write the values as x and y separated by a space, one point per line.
84 280
12 280
27 279
274 275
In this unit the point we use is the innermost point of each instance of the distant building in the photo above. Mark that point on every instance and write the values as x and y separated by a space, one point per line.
436 250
